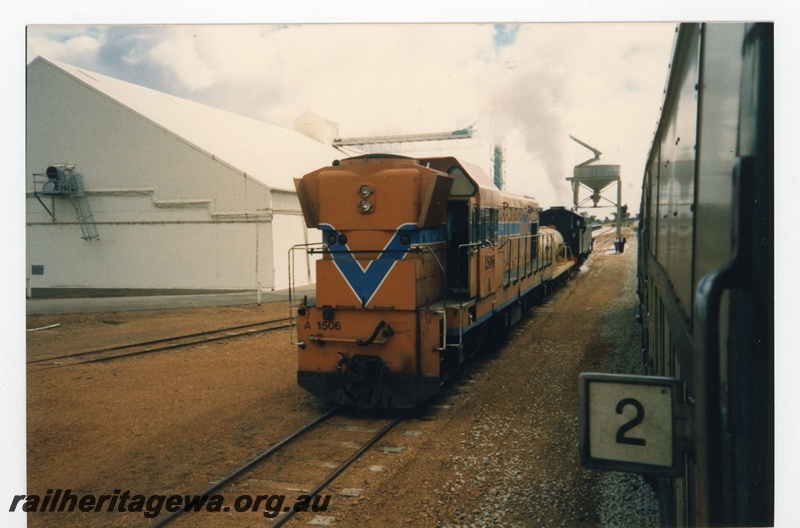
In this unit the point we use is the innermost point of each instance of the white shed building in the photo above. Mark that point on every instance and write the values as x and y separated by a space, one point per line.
183 196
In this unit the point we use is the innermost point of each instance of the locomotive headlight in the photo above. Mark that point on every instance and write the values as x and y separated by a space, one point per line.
333 240
364 206
364 191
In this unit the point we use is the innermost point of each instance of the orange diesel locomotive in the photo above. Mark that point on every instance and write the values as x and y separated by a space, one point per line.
421 261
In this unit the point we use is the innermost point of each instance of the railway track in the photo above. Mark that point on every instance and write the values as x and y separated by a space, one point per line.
158 345
289 458
602 242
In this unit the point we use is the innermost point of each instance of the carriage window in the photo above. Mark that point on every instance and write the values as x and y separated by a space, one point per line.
462 186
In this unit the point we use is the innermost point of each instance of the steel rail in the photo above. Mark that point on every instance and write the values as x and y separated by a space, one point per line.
165 347
280 521
181 345
249 465
156 341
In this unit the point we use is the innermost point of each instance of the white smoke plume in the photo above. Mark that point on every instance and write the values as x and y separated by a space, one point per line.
531 105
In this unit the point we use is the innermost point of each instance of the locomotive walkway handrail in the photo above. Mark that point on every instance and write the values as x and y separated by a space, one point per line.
507 239
468 245
292 308
412 249
421 247
548 249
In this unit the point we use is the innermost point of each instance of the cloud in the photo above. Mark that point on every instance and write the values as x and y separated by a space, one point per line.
530 84
74 44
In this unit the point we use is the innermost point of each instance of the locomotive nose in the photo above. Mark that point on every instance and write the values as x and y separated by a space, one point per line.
362 378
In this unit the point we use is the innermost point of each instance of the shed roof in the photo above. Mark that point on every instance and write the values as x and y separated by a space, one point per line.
270 154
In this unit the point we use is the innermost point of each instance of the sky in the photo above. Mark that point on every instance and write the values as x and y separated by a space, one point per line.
511 67
525 86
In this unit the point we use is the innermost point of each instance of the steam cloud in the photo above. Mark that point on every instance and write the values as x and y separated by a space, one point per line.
530 104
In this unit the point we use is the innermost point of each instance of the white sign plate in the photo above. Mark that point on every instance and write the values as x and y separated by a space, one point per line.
627 423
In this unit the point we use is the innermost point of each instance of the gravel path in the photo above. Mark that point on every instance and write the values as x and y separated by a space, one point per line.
523 463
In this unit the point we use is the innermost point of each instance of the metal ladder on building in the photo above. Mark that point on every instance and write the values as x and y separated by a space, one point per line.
81 204
64 180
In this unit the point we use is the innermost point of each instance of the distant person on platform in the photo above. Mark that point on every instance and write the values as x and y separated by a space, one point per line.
622 241
616 245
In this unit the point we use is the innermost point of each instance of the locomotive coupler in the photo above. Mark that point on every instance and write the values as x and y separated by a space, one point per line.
361 378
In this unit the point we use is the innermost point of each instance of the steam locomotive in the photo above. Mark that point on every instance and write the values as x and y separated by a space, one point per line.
421 261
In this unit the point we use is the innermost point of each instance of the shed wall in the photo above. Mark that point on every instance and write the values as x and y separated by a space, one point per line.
167 256
170 216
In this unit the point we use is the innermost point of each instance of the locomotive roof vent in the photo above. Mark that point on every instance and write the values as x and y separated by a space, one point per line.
378 157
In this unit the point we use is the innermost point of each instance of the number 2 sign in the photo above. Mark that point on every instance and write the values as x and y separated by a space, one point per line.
627 423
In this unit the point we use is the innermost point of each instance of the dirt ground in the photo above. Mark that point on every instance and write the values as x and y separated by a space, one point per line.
500 448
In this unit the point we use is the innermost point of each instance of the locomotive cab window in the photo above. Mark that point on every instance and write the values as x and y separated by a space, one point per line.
462 185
